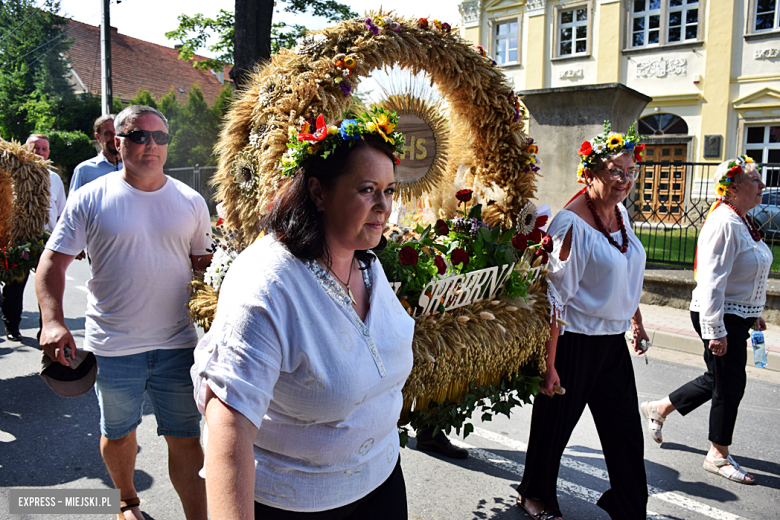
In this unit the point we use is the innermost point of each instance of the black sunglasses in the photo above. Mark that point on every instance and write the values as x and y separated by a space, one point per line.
142 136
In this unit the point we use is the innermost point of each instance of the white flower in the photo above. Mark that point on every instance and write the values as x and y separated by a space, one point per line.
216 271
599 148
526 219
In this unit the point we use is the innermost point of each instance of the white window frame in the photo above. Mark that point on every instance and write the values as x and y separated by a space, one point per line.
493 25
683 9
765 145
751 32
663 13
558 25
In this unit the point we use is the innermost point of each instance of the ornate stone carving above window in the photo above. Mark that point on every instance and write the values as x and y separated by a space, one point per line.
661 68
767 54
571 74
469 12
535 5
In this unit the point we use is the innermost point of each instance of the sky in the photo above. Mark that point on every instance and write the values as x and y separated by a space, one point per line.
149 20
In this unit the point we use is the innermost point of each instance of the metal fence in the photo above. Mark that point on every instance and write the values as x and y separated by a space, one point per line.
198 179
670 202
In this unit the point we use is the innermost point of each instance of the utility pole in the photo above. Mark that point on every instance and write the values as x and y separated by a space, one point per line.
106 89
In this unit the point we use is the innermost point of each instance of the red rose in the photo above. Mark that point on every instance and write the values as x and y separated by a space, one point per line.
422 23
547 243
464 195
459 256
540 221
408 256
586 149
440 264
543 254
638 149
441 227
520 242
536 235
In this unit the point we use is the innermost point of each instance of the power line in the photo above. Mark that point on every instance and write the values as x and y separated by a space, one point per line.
44 44
38 47
35 10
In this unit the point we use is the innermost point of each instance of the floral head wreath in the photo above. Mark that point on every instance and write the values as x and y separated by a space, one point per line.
324 139
607 143
736 167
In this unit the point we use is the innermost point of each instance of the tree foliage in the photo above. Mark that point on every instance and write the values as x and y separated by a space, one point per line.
143 97
32 70
68 149
193 32
194 126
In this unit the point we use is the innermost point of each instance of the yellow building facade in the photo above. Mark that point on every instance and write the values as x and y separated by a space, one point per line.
712 67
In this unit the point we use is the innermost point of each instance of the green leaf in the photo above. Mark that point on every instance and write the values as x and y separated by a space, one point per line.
403 436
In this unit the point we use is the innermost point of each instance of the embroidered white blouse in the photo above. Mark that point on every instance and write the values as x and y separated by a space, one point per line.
732 271
288 352
596 290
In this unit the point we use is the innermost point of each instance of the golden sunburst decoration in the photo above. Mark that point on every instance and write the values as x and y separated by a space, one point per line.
418 106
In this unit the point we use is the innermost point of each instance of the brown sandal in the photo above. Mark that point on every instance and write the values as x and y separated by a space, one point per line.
130 503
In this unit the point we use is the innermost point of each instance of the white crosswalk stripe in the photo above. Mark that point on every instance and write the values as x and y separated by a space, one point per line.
565 486
574 489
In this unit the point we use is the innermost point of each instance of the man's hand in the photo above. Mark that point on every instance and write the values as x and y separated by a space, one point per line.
55 340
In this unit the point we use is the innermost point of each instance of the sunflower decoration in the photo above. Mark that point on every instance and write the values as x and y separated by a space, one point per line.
616 141
245 173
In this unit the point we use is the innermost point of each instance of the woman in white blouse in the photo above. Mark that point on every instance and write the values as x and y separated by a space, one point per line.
596 272
300 376
732 270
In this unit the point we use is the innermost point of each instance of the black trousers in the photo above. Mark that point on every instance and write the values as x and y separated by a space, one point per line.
387 502
723 382
595 371
13 295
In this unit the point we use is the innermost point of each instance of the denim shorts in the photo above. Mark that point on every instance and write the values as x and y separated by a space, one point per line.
162 374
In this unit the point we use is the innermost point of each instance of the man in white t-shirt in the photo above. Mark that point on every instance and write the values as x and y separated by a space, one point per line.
13 292
145 233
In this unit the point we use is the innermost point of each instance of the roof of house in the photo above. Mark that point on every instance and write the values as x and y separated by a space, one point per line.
136 65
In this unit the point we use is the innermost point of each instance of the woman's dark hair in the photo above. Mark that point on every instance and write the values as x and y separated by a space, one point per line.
293 217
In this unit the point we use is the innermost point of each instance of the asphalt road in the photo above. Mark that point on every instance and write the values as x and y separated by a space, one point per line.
47 441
